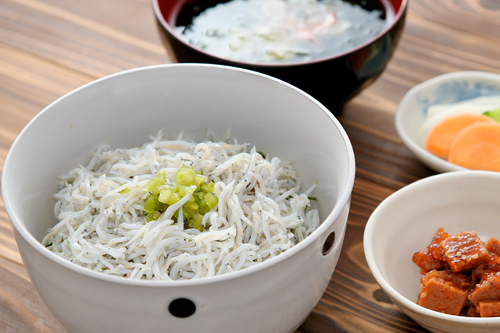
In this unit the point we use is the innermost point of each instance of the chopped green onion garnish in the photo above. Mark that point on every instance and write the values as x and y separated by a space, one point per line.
187 181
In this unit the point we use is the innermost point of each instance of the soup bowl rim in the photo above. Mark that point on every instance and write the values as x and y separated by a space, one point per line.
166 25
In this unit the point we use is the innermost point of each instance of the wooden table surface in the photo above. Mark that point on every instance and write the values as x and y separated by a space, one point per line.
50 47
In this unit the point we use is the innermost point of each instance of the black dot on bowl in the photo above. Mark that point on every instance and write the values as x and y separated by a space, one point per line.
381 296
330 240
182 308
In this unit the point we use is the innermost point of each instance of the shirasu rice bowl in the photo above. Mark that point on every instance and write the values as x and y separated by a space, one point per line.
104 226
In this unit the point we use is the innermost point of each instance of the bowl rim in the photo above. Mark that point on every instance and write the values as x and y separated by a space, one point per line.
165 25
431 181
436 163
342 201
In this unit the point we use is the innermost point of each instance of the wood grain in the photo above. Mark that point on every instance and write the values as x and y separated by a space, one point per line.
50 47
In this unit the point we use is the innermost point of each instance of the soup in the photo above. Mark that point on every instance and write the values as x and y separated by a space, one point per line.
281 31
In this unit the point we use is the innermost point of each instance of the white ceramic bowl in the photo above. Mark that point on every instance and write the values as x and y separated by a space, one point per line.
443 89
405 223
124 110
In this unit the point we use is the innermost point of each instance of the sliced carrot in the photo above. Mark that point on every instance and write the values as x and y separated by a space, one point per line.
438 142
477 147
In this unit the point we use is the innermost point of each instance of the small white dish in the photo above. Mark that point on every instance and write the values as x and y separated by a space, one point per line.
405 223
444 89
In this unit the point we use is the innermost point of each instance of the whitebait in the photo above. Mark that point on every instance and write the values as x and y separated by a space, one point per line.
259 212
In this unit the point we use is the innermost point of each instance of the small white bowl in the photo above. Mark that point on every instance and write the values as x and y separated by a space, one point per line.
405 223
443 89
124 110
